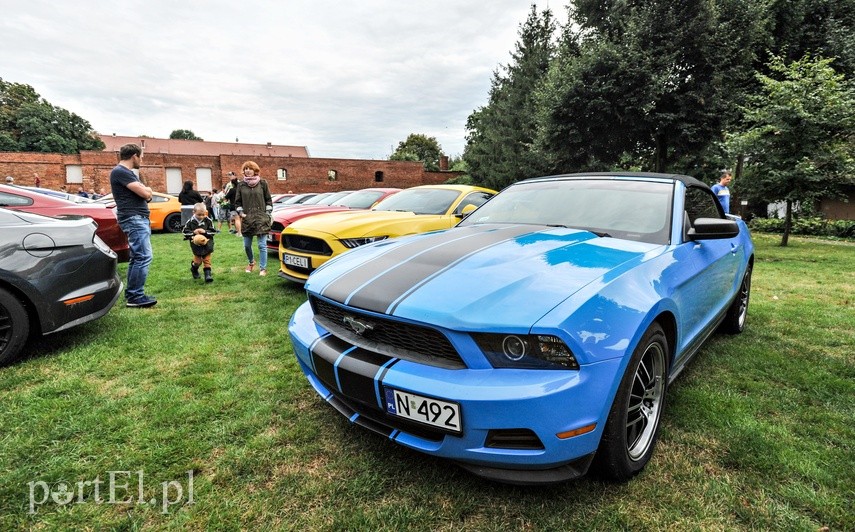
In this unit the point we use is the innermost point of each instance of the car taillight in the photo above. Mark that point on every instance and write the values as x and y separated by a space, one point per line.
102 246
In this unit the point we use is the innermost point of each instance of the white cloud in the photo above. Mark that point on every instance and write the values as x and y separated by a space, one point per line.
345 78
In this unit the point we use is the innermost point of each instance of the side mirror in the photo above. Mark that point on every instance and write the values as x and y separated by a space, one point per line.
466 211
712 228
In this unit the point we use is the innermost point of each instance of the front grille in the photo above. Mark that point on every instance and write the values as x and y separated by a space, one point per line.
389 337
307 244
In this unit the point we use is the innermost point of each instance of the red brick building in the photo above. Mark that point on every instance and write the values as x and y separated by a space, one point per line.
167 163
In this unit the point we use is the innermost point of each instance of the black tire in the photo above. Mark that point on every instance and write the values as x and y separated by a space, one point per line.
737 314
632 427
14 327
172 223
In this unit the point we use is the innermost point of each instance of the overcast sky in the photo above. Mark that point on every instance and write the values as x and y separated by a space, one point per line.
344 78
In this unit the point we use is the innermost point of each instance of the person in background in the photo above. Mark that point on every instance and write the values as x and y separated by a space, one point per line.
188 196
10 180
199 230
722 192
82 193
132 198
254 205
234 219
217 202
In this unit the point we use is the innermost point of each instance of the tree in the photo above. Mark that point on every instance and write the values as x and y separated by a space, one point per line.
184 134
799 135
646 84
419 147
500 135
29 123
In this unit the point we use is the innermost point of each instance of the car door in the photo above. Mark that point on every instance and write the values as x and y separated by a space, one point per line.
714 264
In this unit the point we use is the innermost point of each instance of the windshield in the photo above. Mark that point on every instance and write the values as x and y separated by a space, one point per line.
329 200
361 199
420 201
632 210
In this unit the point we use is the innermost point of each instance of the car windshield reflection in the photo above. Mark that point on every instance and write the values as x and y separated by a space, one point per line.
631 210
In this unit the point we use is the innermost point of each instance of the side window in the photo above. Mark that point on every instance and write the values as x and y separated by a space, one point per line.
475 198
701 203
13 200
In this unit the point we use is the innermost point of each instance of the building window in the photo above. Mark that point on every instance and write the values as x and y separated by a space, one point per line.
74 174
282 174
332 175
378 176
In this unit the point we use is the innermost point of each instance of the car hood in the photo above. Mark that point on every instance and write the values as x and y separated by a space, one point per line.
501 276
358 223
286 216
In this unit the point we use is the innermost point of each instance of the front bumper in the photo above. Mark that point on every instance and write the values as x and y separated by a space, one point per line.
511 418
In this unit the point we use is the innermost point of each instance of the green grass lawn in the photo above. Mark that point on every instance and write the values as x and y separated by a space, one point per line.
759 432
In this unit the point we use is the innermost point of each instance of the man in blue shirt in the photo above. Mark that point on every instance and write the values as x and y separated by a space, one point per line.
132 197
722 192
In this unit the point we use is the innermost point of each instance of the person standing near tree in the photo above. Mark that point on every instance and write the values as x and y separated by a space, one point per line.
132 197
254 205
722 192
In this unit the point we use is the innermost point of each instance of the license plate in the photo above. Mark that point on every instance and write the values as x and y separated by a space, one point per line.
295 260
425 410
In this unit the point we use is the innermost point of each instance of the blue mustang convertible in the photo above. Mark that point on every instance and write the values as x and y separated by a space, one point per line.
540 334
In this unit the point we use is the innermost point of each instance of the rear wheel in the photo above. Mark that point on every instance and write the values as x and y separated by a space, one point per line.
14 327
172 223
737 314
632 427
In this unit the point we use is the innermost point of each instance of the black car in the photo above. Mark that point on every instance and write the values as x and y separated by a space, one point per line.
54 274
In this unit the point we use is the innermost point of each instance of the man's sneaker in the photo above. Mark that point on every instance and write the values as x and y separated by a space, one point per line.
249 267
143 302
263 272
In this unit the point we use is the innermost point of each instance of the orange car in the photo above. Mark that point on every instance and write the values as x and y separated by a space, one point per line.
165 211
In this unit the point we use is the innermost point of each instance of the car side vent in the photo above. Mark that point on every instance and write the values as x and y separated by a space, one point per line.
513 439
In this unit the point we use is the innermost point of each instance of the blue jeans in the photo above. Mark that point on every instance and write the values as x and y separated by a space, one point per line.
138 230
262 250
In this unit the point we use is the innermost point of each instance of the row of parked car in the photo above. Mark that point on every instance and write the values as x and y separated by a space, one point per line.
526 335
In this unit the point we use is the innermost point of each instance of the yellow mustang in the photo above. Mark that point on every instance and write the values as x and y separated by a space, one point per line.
310 242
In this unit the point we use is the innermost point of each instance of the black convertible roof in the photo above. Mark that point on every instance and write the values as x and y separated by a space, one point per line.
687 180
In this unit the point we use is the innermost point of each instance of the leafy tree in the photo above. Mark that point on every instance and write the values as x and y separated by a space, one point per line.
419 147
29 123
500 138
646 83
184 134
799 139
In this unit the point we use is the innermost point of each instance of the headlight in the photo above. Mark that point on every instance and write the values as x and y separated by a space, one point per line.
532 351
351 243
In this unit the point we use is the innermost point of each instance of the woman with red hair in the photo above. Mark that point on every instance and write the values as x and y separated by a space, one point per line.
254 205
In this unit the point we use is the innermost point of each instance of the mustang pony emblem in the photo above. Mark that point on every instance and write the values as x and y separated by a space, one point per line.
357 326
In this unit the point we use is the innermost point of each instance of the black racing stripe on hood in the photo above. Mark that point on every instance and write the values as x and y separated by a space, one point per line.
401 276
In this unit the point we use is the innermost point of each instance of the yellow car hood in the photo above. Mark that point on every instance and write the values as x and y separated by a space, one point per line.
350 224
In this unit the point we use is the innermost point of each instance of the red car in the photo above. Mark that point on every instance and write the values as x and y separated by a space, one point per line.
360 199
20 199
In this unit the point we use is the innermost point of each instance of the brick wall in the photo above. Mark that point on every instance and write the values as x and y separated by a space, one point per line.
303 174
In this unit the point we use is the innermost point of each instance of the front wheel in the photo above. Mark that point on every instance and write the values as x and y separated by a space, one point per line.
172 223
632 427
14 327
